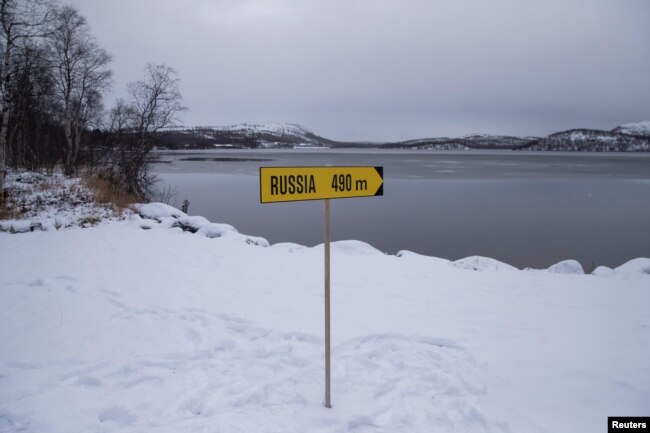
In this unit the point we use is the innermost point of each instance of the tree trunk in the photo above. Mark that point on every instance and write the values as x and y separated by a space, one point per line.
68 162
6 77
76 142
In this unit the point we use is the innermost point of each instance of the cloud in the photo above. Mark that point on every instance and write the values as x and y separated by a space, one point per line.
241 12
369 68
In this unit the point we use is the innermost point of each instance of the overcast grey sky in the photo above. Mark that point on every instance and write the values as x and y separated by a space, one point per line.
393 69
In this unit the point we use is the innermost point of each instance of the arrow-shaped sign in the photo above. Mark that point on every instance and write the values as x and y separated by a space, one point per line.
278 184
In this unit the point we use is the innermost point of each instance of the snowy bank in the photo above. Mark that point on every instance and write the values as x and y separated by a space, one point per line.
46 202
166 322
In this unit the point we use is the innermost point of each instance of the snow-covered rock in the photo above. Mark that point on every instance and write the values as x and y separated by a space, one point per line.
16 226
639 265
479 263
354 247
567 267
411 256
169 223
253 240
215 230
288 246
192 223
158 211
147 224
603 271
162 216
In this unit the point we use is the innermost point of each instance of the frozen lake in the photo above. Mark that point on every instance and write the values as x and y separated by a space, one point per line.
526 209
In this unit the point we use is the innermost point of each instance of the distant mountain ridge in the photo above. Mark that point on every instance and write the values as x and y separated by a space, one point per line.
592 140
638 128
631 137
243 136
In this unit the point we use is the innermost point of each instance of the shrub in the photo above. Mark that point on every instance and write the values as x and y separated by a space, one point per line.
90 220
106 190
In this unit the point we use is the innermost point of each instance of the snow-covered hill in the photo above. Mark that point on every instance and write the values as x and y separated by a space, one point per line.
591 140
269 128
473 141
626 138
638 128
168 322
243 136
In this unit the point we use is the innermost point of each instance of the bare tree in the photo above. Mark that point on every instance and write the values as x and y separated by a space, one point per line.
154 103
19 20
81 75
33 133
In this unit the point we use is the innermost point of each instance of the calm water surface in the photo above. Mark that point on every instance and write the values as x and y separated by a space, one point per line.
526 209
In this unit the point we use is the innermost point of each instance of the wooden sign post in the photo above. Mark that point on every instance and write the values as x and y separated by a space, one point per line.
326 246
283 184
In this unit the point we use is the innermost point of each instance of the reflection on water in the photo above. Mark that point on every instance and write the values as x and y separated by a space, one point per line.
529 210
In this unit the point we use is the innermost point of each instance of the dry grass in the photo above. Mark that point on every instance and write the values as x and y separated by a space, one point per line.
8 214
6 211
105 192
46 184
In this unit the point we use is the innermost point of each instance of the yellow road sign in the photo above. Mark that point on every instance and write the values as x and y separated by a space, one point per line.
278 184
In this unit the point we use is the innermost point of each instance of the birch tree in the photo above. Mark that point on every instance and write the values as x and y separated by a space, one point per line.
81 75
31 138
154 103
19 20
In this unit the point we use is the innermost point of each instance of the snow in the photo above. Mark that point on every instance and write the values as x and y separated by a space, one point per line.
151 215
15 226
356 248
567 267
635 266
273 128
603 271
478 263
192 223
411 256
215 230
120 328
158 211
581 136
288 246
267 128
638 128
50 202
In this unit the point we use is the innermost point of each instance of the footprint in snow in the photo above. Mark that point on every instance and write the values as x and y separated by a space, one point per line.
118 415
37 283
88 381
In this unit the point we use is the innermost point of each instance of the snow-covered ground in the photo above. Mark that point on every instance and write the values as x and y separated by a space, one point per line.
170 323
43 201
